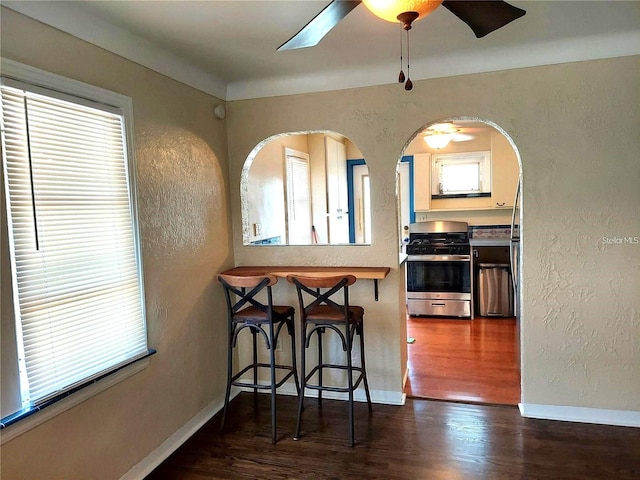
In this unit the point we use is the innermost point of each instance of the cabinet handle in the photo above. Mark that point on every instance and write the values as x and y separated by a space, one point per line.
501 204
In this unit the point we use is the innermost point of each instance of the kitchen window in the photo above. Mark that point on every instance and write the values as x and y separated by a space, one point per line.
461 175
73 235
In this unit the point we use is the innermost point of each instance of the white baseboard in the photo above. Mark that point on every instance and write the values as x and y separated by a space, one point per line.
171 444
625 418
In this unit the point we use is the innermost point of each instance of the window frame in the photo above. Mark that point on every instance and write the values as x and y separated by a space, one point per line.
482 158
18 75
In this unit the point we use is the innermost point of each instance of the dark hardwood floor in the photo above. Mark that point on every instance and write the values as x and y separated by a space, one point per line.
420 440
463 360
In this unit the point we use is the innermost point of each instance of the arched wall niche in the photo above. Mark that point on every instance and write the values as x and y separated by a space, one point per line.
305 188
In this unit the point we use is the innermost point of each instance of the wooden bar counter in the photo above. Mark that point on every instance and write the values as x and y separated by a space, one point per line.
364 273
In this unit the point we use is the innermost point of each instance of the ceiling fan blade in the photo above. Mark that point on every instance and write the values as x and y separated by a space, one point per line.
483 16
462 137
314 31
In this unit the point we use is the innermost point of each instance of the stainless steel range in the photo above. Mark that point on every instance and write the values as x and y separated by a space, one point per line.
439 269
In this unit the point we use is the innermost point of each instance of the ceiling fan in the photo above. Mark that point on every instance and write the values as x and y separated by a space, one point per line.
482 16
439 135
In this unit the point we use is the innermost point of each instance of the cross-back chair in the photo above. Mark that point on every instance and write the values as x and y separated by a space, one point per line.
246 311
324 305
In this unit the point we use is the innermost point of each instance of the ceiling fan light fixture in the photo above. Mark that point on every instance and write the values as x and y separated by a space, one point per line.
390 10
438 141
439 135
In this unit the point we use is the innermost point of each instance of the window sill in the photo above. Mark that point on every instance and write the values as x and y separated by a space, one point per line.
467 209
24 420
460 195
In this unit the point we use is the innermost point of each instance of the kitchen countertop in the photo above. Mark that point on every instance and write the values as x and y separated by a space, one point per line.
371 273
368 273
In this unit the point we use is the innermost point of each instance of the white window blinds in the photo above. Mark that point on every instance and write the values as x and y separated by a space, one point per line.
76 274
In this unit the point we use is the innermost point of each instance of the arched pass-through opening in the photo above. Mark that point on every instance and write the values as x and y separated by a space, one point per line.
458 221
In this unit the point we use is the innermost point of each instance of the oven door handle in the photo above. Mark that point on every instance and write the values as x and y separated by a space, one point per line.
439 258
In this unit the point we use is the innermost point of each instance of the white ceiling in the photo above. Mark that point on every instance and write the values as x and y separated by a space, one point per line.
228 48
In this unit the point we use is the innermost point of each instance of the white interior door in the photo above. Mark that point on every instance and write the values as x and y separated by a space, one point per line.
298 199
337 200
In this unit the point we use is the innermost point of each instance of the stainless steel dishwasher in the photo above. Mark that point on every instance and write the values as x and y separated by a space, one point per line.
495 290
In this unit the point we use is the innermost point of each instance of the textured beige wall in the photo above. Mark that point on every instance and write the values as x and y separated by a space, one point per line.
184 219
575 126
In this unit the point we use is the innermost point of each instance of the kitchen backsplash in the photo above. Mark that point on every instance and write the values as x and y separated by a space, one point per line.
491 232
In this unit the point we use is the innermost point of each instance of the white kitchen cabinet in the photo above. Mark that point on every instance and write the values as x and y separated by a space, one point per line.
504 172
421 182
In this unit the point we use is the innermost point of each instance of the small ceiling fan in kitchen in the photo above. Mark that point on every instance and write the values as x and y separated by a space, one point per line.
482 16
439 135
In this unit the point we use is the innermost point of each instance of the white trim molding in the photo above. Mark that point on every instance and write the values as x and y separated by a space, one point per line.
625 418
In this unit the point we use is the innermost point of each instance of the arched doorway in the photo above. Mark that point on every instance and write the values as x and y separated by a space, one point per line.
463 172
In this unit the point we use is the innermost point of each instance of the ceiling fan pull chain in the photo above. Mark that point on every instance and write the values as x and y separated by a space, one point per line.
401 77
409 84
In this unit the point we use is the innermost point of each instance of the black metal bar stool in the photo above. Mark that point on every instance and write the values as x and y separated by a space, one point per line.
245 311
319 312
